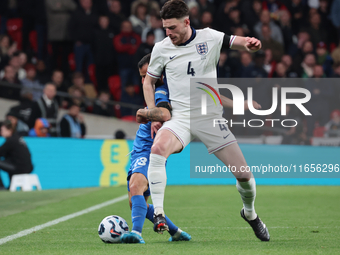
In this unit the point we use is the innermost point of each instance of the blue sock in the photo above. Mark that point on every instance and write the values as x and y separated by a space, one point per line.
138 212
172 227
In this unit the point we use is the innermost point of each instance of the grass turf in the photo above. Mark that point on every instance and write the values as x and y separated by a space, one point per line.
300 219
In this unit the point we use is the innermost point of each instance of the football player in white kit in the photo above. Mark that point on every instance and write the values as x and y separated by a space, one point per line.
188 53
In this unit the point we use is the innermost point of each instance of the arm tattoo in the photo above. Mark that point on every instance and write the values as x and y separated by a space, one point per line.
154 114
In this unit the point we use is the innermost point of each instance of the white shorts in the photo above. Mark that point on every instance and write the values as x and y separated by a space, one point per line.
214 138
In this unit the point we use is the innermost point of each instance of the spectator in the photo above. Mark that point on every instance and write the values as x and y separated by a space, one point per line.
72 124
120 134
156 27
46 107
22 59
269 63
58 80
146 47
102 105
77 98
58 17
115 16
324 59
15 62
14 150
104 53
139 18
222 16
18 125
317 33
224 70
252 14
30 82
126 44
24 109
319 104
256 70
82 28
297 11
43 76
206 20
6 50
87 89
269 43
194 14
286 28
332 127
287 61
10 92
206 6
335 17
296 48
306 69
275 31
129 96
41 128
280 70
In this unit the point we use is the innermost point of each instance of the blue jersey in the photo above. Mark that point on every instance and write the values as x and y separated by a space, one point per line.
143 141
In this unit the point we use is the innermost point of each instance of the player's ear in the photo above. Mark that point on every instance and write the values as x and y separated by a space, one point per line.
187 21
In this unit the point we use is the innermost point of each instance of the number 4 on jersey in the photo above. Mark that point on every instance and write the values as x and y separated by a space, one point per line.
190 70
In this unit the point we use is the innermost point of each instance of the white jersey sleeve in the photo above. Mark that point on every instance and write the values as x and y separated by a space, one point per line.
156 65
217 36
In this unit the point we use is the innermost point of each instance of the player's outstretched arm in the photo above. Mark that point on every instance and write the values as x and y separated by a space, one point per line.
149 91
250 44
155 114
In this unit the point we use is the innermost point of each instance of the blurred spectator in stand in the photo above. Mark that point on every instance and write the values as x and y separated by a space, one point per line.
15 62
224 70
22 59
246 61
290 71
30 82
43 76
129 96
280 70
307 48
3 16
58 80
102 106
8 91
6 50
139 17
104 53
24 109
156 27
222 16
72 123
269 43
256 70
126 44
297 10
82 28
251 14
307 66
46 107
319 104
269 63
335 17
115 16
146 47
286 28
19 126
275 31
58 17
295 48
324 59
332 127
316 31
77 98
194 14
41 128
206 20
17 158
206 6
87 89
120 134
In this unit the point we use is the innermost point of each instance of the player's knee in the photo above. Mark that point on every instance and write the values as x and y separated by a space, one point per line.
136 188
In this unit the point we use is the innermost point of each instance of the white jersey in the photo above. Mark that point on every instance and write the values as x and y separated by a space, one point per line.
196 59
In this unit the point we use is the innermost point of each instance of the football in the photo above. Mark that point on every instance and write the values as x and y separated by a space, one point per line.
111 228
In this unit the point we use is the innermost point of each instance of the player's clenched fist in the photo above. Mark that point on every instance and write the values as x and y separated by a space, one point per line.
253 44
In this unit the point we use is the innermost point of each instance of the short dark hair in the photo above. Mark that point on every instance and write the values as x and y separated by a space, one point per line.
144 60
8 124
174 9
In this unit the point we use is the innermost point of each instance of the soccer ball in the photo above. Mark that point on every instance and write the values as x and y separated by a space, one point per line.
111 228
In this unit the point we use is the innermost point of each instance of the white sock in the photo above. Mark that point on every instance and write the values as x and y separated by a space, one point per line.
247 191
157 181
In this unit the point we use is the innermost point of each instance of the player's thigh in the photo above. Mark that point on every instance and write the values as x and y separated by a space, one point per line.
166 143
233 156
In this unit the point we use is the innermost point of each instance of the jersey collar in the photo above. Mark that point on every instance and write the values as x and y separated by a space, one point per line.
192 37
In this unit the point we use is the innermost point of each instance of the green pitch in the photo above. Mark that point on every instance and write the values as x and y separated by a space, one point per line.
300 219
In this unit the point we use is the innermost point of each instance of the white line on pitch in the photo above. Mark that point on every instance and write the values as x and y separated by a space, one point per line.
62 219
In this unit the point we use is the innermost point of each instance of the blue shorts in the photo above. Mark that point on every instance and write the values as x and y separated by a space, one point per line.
139 164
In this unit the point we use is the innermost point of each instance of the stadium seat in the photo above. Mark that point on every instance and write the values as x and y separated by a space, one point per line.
25 182
129 118
92 74
14 27
319 132
115 87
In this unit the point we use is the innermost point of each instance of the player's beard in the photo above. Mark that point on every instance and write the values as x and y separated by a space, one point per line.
180 39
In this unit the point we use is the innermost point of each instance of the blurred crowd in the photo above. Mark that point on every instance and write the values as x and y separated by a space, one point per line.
89 49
